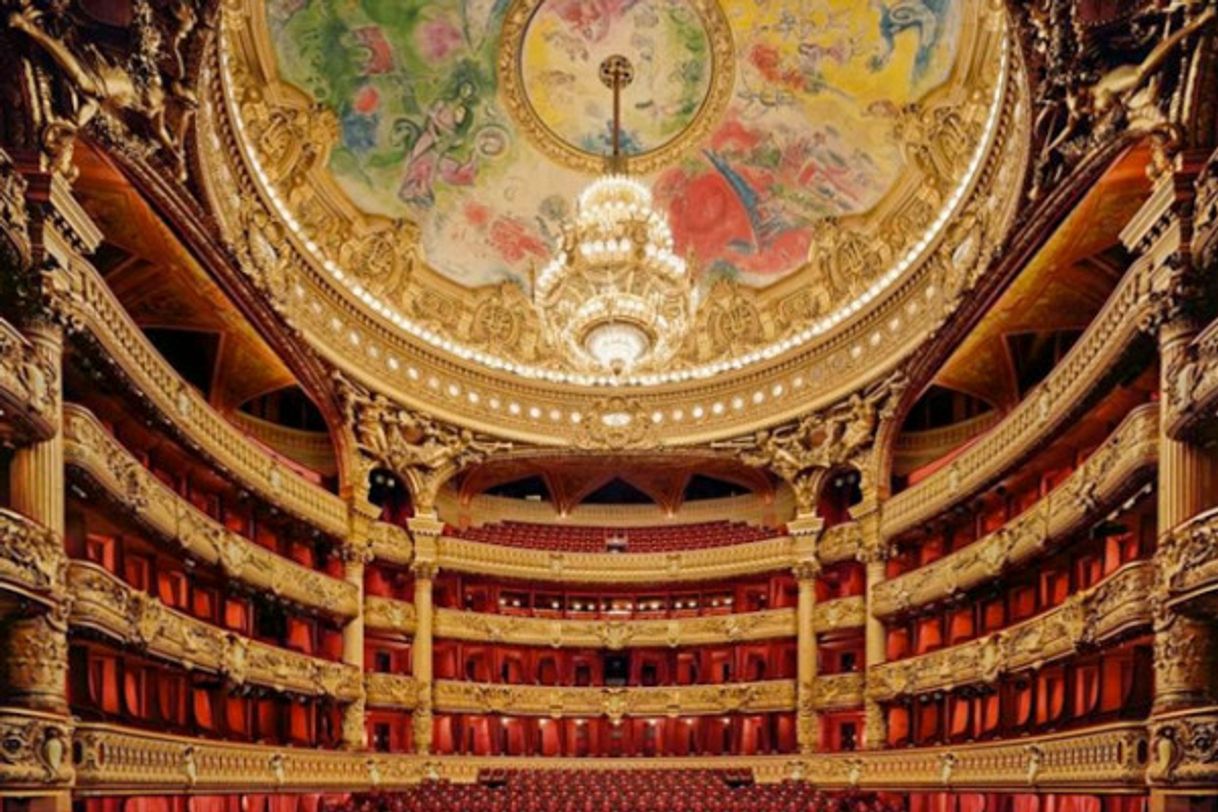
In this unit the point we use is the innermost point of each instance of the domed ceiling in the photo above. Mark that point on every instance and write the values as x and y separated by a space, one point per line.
481 121
393 174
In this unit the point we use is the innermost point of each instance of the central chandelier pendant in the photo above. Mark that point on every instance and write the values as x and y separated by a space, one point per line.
615 297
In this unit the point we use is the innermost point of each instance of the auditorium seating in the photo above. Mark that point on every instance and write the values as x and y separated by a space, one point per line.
588 539
616 791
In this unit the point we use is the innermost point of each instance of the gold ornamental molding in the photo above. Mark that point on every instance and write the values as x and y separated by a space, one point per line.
329 271
391 543
389 615
100 601
1188 564
89 307
115 760
1191 386
1072 385
1115 606
31 558
839 613
29 388
95 454
842 542
837 692
1114 470
397 691
706 564
615 703
37 752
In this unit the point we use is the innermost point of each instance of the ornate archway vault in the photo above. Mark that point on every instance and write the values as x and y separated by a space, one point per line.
831 182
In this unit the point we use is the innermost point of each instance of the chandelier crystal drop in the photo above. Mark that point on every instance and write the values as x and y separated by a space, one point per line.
615 297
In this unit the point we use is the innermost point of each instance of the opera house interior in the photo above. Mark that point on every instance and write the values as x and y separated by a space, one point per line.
406 406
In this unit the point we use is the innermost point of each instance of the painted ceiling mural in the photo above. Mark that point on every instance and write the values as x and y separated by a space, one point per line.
805 134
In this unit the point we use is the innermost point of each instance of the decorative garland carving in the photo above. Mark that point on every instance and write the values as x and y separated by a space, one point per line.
31 557
35 751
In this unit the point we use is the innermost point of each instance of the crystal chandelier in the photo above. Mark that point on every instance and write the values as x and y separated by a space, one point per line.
615 297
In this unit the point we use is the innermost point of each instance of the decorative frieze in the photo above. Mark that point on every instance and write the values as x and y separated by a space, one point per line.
615 703
839 613
389 615
94 453
1115 606
705 564
391 543
1069 389
102 602
94 315
1122 464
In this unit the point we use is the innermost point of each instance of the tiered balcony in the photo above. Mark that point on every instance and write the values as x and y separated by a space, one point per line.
585 539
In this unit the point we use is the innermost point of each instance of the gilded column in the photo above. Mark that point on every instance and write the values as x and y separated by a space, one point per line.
37 657
426 532
873 554
356 554
808 721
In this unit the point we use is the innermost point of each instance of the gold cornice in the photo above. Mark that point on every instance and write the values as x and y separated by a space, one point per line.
91 310
117 760
1115 469
1048 407
706 564
1116 605
615 703
848 357
92 451
102 602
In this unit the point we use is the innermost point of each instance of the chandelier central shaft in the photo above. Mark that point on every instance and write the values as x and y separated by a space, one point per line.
616 297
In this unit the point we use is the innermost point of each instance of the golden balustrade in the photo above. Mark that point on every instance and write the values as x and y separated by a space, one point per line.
1123 463
1072 385
97 316
115 760
1116 605
93 452
615 703
706 564
102 602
